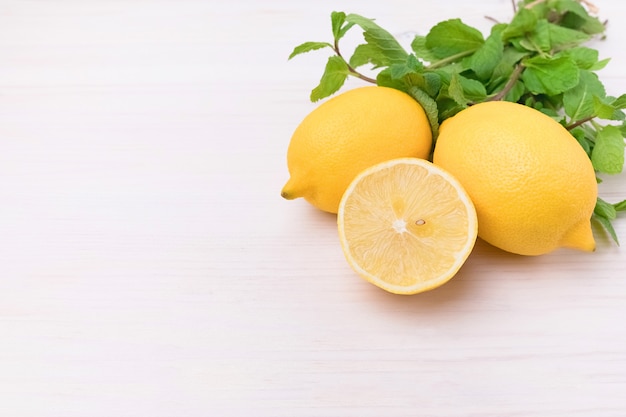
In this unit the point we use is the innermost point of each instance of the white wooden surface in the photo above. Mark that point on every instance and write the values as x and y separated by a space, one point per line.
149 267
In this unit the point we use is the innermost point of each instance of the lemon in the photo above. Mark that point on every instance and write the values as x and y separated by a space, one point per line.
348 133
406 225
533 186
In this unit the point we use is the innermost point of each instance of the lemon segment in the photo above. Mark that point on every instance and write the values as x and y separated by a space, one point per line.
406 225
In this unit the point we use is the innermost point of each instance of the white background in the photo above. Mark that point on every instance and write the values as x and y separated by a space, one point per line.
149 267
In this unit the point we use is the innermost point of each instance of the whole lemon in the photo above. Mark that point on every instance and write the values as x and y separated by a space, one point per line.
348 133
533 186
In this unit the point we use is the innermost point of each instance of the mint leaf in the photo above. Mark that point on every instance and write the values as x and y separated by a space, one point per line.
523 22
539 39
573 6
606 109
581 137
455 90
453 37
608 153
383 48
367 54
412 74
418 45
604 213
516 92
604 209
472 89
384 79
621 206
411 66
337 22
562 37
578 101
585 58
335 74
606 223
465 90
503 70
307 47
620 102
430 107
551 76
600 64
432 83
486 58
575 16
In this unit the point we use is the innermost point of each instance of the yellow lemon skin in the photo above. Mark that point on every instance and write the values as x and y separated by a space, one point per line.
533 186
348 133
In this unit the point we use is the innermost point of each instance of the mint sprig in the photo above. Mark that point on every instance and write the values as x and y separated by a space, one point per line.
538 59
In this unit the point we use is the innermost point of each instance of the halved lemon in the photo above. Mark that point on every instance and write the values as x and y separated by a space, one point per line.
406 225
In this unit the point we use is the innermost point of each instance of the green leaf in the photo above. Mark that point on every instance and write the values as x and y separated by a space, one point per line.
473 90
573 6
540 37
575 16
606 223
620 102
383 48
486 58
578 101
453 37
430 107
621 206
584 57
411 66
600 64
605 109
523 22
432 83
418 45
505 67
455 90
604 213
562 37
602 109
608 153
581 137
307 47
337 21
334 77
516 93
384 79
604 209
526 44
447 107
368 54
551 76
412 75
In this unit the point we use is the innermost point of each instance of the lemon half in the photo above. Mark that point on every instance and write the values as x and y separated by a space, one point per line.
406 225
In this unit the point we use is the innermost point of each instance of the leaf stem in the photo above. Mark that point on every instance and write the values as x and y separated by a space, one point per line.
534 3
579 122
352 71
517 72
450 59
